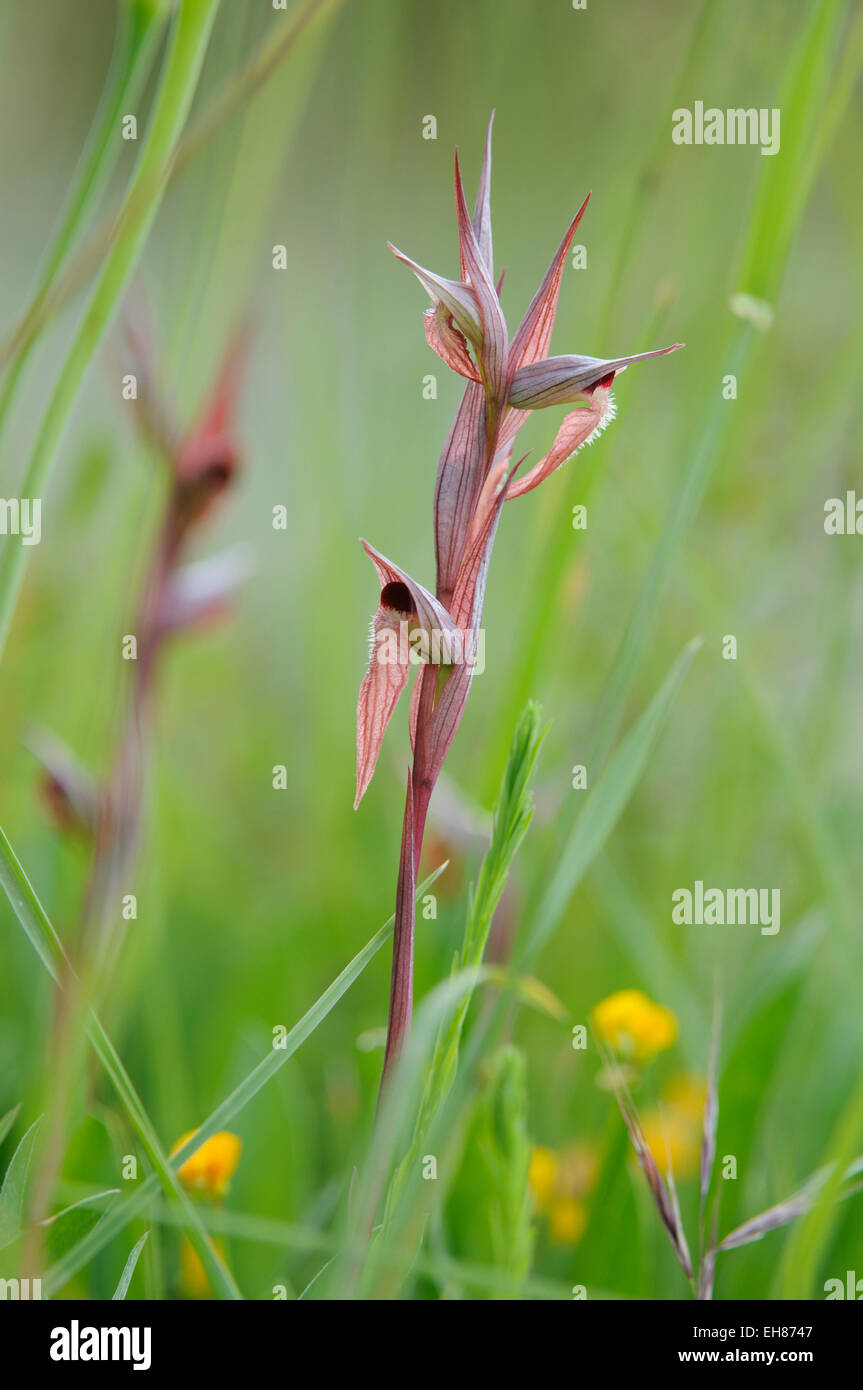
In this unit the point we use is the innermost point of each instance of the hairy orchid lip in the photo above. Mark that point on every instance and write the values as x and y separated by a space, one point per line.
397 596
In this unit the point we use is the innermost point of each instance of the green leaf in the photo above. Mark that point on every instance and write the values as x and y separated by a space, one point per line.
129 1269
14 1189
491 1202
8 1121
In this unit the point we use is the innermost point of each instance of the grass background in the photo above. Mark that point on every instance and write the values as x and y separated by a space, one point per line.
251 900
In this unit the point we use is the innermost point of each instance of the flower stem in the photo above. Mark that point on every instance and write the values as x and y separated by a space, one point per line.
402 978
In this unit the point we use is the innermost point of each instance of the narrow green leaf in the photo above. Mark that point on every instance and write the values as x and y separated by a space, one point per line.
87 1201
129 1269
601 811
14 1189
28 909
8 1121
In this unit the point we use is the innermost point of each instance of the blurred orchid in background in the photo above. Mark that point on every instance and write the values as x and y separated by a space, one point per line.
202 463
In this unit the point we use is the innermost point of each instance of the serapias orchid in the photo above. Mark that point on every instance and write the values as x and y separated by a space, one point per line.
506 379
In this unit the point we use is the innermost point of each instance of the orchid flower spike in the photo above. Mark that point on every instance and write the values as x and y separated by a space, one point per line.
507 377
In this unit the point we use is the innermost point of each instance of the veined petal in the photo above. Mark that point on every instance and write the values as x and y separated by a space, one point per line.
482 206
430 612
458 485
448 341
460 300
402 601
534 333
381 687
578 428
380 691
492 350
559 380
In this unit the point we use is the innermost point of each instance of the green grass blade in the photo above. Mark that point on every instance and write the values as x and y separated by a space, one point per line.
138 29
183 65
780 200
14 1190
284 1235
129 1269
512 816
28 910
807 1244
91 1200
122 1213
305 23
46 943
601 812
8 1120
561 546
785 180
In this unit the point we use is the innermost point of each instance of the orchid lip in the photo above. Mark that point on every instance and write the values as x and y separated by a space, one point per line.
397 596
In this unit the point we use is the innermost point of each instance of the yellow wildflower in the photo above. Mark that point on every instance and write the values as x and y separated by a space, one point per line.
577 1170
672 1137
542 1175
211 1167
567 1218
633 1025
559 1182
193 1279
686 1094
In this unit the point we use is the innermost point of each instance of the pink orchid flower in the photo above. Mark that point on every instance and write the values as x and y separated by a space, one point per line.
506 379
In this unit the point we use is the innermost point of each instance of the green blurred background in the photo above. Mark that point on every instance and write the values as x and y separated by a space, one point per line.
251 899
